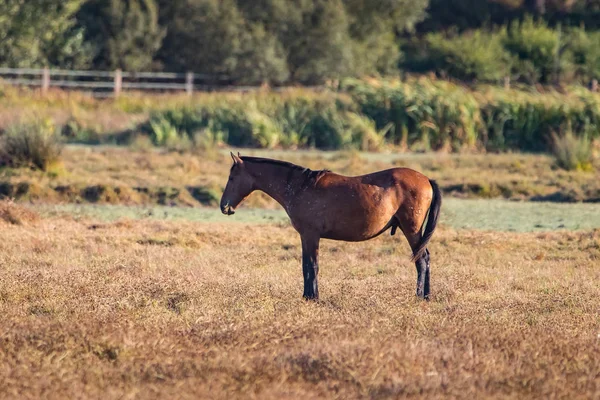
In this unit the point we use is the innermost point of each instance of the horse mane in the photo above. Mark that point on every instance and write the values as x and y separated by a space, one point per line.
311 176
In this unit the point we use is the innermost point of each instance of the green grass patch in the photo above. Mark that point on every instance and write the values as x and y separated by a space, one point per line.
496 215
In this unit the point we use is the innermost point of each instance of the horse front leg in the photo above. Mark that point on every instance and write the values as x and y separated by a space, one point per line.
310 266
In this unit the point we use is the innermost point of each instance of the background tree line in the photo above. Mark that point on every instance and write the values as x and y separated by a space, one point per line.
309 41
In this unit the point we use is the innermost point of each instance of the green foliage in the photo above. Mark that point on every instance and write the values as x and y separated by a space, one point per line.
124 33
364 132
572 153
41 33
377 54
536 49
474 56
467 14
203 36
318 43
373 25
584 48
308 41
34 145
529 51
439 115
75 132
428 114
525 121
474 14
276 41
254 123
162 131
261 58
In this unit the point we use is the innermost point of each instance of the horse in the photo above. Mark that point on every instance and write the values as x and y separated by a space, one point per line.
325 205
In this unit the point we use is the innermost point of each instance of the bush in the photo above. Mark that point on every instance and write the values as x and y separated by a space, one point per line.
525 121
474 56
364 132
584 48
416 114
572 153
35 145
162 131
535 47
75 132
260 120
424 113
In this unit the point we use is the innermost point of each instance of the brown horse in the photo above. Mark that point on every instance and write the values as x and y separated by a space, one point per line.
325 205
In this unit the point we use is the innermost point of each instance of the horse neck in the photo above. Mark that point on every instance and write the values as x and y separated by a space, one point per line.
274 180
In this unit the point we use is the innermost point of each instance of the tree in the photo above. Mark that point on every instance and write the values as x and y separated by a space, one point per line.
261 58
203 36
124 33
41 33
213 37
317 41
306 41
374 28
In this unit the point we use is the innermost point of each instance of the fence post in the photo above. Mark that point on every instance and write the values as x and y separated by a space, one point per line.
189 83
45 80
507 82
118 82
594 85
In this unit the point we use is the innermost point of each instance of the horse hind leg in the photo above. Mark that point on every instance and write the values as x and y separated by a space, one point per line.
412 232
427 268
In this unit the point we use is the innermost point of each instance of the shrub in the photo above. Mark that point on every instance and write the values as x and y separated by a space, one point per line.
431 114
584 48
34 144
572 153
474 56
535 47
524 121
207 139
74 131
364 132
416 113
162 131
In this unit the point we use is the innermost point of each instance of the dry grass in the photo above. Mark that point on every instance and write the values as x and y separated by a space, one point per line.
132 173
16 214
178 310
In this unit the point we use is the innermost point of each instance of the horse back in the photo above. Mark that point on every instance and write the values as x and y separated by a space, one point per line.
405 178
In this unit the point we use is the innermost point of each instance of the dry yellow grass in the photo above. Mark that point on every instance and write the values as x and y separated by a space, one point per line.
128 176
154 309
16 214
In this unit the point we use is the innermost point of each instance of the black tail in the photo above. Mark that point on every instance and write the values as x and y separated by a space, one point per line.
432 219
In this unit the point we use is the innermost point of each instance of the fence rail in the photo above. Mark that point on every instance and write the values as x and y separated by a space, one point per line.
113 83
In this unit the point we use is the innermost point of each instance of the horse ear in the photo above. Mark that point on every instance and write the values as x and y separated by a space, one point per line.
236 159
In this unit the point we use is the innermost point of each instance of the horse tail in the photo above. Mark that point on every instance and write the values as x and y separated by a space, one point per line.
432 220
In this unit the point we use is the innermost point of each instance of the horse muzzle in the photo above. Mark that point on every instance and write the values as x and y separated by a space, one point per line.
227 209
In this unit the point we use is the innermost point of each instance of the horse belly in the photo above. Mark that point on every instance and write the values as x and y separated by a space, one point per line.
359 221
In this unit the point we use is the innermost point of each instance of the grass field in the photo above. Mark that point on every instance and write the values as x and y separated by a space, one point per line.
153 306
497 215
110 289
118 175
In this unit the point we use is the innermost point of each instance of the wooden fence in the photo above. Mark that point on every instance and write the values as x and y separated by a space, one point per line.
112 83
